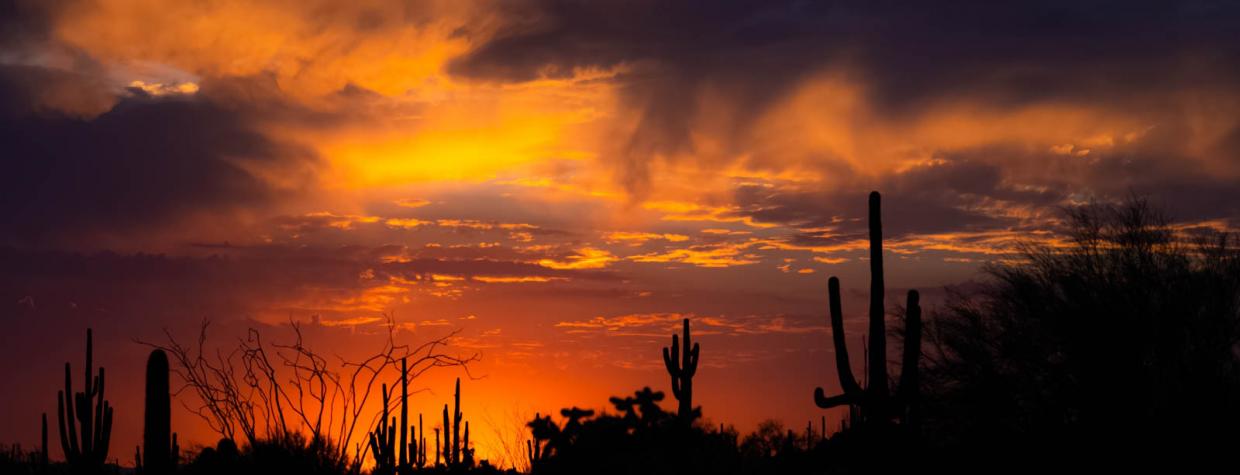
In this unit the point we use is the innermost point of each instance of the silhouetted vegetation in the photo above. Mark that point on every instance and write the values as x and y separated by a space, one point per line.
158 439
1121 339
86 445
874 410
682 370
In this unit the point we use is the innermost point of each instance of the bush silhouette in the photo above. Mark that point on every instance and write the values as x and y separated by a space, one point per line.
1124 338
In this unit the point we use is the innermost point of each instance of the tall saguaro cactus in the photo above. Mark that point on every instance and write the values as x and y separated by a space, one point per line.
157 420
456 424
403 463
682 368
75 414
876 404
43 447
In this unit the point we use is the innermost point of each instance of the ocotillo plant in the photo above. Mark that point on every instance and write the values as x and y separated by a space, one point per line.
157 421
682 369
383 441
87 454
875 403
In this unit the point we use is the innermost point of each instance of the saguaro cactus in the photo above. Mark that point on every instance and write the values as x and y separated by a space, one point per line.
157 421
87 453
447 437
437 451
43 447
467 454
418 448
404 415
456 424
875 403
383 440
682 369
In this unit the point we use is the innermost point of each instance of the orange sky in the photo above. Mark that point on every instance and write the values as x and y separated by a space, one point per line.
562 182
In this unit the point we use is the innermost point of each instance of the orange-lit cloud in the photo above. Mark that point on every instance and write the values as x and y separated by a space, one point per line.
534 165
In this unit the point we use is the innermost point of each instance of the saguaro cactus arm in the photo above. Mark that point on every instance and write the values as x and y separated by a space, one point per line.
909 371
852 391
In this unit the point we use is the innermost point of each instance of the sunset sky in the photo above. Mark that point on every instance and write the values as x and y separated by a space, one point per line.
564 181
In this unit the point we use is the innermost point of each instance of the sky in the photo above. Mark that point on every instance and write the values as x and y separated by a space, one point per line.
561 182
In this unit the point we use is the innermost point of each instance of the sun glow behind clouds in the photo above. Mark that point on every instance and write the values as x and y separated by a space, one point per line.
614 192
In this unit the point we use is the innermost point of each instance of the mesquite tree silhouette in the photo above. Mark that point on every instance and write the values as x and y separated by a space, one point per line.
1121 339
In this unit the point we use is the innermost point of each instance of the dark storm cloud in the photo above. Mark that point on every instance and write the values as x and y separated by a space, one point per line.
23 21
1015 51
1123 55
142 162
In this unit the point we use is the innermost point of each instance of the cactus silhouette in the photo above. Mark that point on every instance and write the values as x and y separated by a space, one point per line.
43 447
383 440
157 425
456 424
403 456
74 414
467 454
682 369
417 448
875 403
533 451
447 437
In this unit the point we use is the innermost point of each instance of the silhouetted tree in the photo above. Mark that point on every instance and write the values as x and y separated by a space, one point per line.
1121 338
